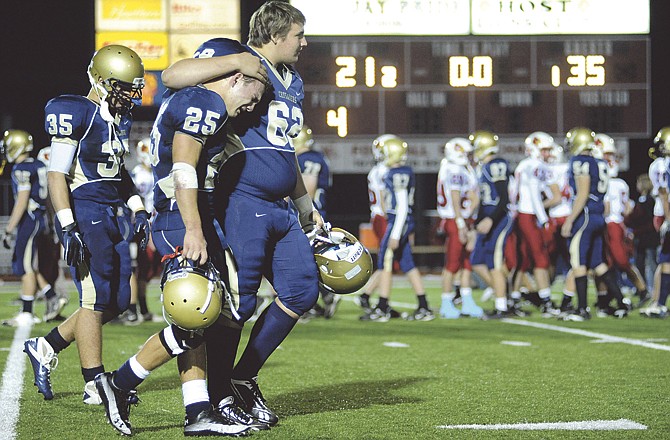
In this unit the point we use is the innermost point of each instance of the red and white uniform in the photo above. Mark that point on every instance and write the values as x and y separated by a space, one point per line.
452 177
618 198
532 175
555 242
143 178
375 195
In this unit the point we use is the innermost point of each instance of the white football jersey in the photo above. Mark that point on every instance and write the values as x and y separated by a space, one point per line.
376 188
451 177
472 186
617 196
531 179
657 174
559 176
143 178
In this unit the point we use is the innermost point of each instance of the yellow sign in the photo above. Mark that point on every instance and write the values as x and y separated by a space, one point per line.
151 46
130 15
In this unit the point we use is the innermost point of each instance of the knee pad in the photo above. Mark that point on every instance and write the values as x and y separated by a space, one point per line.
176 340
302 303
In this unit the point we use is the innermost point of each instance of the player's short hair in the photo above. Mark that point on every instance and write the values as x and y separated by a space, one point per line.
644 183
272 19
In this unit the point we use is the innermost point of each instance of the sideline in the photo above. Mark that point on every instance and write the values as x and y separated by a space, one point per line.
600 336
12 383
588 425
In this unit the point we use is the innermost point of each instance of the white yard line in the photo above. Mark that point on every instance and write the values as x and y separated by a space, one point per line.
12 384
600 336
588 425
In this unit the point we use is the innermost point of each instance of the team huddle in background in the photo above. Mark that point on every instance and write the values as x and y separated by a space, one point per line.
561 211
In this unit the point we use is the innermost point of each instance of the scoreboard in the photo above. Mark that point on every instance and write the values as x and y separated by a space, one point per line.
370 85
430 70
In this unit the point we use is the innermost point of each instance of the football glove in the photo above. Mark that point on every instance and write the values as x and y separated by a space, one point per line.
141 236
7 239
73 243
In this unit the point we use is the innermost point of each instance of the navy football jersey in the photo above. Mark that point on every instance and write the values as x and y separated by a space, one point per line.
101 146
31 175
197 112
399 180
314 163
259 155
496 170
581 165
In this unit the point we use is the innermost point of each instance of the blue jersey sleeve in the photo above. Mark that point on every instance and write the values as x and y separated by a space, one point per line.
65 116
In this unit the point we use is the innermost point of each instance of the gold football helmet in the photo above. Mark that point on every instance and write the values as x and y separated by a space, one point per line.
304 140
13 144
484 143
344 264
192 296
393 149
579 139
117 75
661 143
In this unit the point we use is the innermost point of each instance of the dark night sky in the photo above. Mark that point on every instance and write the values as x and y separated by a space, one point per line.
45 47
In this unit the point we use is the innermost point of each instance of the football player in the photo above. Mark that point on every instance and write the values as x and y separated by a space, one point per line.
453 189
532 176
584 227
659 175
318 180
494 221
146 262
87 182
377 220
185 164
260 171
398 203
556 243
26 224
618 247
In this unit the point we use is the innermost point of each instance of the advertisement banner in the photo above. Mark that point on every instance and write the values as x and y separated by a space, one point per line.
390 17
151 46
130 15
205 15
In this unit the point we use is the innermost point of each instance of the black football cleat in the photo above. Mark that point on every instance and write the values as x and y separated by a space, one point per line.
211 423
251 400
233 414
117 402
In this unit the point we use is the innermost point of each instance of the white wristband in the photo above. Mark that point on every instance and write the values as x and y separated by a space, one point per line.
65 217
184 176
135 203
